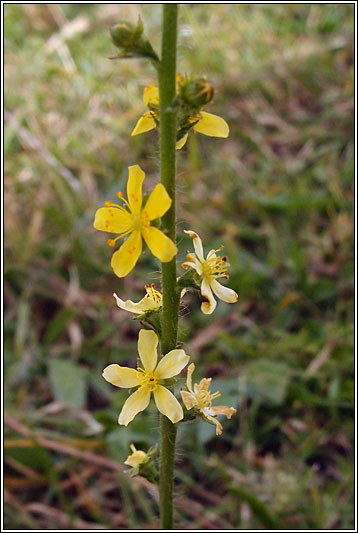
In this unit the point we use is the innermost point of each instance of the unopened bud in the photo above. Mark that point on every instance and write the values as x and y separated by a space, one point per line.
125 34
130 39
195 91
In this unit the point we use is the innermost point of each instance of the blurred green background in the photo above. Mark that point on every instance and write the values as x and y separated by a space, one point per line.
278 193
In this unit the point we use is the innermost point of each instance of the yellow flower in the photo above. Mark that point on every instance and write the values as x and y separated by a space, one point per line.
209 270
138 457
134 220
152 301
203 122
200 399
148 379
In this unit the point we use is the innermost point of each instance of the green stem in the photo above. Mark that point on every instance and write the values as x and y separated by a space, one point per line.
167 133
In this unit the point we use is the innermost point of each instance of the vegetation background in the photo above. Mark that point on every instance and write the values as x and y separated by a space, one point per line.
278 194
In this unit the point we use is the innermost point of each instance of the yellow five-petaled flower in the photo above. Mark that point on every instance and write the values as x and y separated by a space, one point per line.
200 399
134 220
148 378
203 122
209 270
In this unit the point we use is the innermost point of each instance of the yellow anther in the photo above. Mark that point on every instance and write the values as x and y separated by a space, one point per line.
153 294
111 242
108 203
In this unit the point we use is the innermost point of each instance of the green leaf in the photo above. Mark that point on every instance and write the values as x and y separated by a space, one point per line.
57 325
35 457
257 507
266 381
68 382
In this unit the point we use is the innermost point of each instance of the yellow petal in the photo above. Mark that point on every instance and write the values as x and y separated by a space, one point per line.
208 306
171 364
203 385
137 458
147 348
159 244
191 369
188 398
145 123
121 376
181 142
167 404
112 219
144 305
193 262
211 125
224 293
151 95
223 410
198 245
137 402
124 259
158 202
134 188
219 428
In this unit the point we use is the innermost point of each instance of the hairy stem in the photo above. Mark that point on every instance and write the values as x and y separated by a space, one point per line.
167 134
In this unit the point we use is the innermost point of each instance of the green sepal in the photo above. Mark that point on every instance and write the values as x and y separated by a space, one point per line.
168 382
195 92
151 319
189 279
184 128
189 415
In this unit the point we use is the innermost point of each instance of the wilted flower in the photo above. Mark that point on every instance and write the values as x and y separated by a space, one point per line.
200 399
208 271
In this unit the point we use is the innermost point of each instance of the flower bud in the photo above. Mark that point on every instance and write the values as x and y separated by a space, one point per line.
125 34
195 91
131 40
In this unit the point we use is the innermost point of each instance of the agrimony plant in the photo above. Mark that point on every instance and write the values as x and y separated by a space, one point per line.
175 105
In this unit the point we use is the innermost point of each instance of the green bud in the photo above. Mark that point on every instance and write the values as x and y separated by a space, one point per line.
130 39
125 34
195 91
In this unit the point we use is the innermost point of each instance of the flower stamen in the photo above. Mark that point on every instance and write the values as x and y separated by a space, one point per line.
121 196
148 379
153 294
